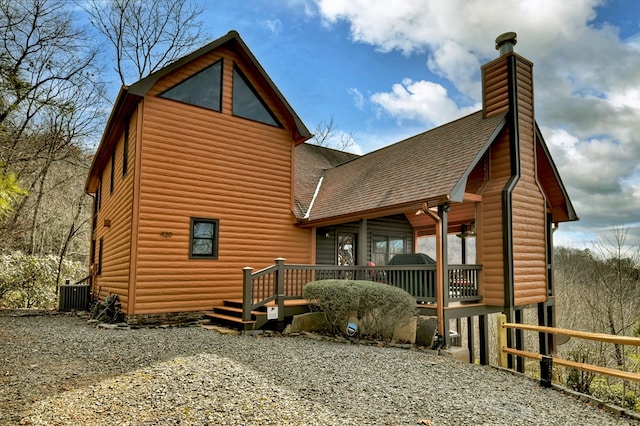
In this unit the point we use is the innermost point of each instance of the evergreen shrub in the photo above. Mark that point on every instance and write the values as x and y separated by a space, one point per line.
379 307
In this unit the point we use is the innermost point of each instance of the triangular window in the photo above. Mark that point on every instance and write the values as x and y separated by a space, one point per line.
203 89
247 103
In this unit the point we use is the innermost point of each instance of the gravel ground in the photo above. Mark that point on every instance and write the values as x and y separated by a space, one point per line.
58 370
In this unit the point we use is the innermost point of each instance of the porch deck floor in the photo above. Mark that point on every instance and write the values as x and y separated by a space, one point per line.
452 305
287 302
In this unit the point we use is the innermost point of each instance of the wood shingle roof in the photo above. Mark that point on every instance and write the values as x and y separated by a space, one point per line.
311 163
429 167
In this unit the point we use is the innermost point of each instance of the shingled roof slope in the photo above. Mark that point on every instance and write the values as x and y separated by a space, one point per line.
311 161
428 166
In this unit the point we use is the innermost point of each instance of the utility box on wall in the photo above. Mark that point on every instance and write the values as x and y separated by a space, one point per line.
74 297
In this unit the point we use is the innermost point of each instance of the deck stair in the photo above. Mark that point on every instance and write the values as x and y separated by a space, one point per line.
230 314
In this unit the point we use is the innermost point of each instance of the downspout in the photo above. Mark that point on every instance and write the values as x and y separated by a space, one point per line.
92 245
513 336
507 215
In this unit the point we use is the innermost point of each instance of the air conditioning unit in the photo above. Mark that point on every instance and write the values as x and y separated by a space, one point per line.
74 297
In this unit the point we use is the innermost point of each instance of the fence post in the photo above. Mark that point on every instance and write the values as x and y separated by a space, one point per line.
280 287
247 293
502 341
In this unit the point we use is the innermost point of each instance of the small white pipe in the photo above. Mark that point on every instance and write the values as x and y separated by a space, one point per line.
313 200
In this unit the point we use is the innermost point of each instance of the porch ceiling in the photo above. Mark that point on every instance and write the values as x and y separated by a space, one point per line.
459 214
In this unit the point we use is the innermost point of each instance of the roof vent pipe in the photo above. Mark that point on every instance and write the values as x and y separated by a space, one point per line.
505 42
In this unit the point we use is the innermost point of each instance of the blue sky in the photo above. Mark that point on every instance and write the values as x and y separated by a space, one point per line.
388 70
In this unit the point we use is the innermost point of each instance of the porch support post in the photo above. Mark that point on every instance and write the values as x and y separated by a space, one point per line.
519 341
546 311
463 244
483 339
247 293
470 339
361 250
442 259
542 337
551 322
280 287
546 318
508 312
441 269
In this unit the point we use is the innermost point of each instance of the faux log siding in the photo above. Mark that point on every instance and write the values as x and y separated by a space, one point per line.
201 163
495 89
116 207
478 177
490 251
553 191
528 203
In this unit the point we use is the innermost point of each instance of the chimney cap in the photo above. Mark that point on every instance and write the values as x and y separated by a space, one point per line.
508 40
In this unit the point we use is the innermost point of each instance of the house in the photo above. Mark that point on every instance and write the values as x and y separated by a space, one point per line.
192 181
203 170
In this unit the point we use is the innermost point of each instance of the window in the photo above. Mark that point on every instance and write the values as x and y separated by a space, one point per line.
385 247
125 149
204 239
247 103
203 89
113 167
346 249
100 257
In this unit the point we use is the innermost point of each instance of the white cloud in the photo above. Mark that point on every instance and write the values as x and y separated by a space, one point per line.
420 100
274 26
627 97
358 97
464 28
603 181
586 84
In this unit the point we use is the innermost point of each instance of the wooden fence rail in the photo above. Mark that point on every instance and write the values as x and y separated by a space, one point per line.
546 362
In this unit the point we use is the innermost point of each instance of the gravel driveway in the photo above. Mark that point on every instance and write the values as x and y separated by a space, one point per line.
58 370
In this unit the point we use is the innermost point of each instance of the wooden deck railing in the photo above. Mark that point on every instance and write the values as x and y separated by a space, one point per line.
546 361
281 281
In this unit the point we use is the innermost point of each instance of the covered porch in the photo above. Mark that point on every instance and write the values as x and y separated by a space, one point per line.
275 293
450 288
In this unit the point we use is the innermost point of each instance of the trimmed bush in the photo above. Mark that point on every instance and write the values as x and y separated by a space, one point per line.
379 307
335 298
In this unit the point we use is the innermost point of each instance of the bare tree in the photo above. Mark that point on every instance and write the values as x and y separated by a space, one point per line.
599 289
326 134
146 35
615 300
49 105
42 62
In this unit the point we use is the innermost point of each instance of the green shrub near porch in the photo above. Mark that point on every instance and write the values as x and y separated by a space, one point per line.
379 307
